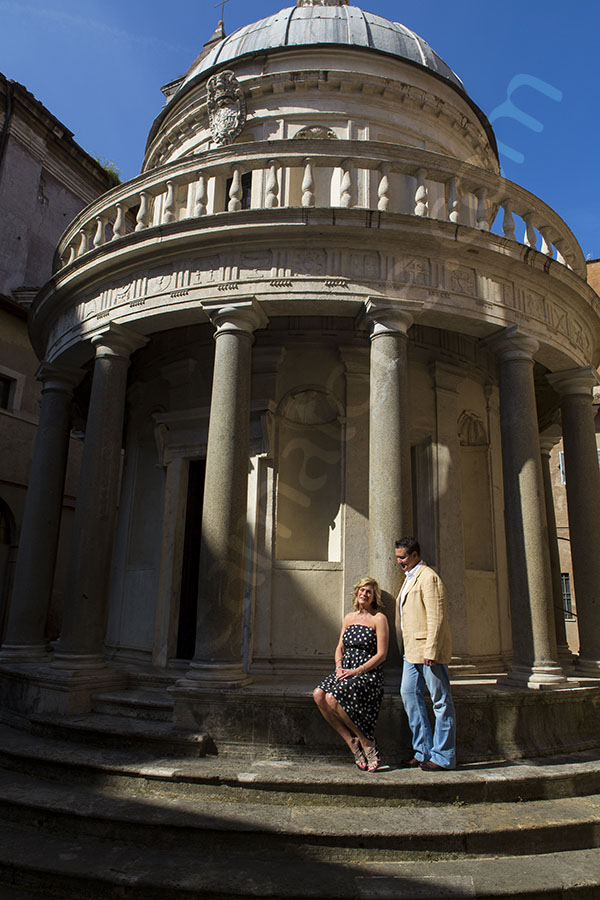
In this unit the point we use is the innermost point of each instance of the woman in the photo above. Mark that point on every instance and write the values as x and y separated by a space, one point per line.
350 698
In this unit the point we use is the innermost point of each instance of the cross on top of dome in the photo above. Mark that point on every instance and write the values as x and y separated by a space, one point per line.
322 3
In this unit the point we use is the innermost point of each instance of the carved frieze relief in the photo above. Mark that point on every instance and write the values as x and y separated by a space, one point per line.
260 261
462 280
337 268
310 262
205 270
365 265
413 270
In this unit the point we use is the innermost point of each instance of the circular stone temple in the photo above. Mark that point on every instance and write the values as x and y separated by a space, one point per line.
318 319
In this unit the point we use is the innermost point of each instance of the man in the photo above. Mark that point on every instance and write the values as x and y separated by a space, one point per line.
422 619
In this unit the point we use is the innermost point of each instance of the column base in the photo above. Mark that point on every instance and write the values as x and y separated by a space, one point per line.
26 653
539 678
566 658
78 662
43 690
589 667
223 675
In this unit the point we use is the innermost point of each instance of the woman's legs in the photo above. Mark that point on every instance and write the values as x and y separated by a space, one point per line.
339 720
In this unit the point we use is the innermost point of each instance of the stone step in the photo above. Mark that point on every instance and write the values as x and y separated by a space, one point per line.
75 868
204 820
82 821
70 761
144 705
122 731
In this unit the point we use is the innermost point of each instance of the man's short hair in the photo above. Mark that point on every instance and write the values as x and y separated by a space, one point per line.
410 544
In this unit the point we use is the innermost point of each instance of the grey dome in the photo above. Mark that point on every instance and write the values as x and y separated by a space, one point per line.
298 26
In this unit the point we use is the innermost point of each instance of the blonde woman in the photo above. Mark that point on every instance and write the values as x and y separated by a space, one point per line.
349 699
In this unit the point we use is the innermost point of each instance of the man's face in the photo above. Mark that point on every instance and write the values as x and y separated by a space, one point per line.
405 560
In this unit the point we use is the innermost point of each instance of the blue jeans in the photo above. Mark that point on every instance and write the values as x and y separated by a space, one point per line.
440 747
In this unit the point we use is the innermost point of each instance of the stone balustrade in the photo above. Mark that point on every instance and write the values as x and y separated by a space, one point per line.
323 173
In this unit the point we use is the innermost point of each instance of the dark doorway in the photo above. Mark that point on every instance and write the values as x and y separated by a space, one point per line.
186 635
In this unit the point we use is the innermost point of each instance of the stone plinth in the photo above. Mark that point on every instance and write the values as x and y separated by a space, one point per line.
495 722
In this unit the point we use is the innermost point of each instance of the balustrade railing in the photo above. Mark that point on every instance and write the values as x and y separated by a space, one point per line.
322 173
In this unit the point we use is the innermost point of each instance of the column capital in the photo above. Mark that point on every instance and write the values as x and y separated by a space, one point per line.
55 377
240 316
549 438
117 341
387 316
574 381
510 343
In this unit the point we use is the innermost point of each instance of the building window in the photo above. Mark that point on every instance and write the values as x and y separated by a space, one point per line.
6 392
566 594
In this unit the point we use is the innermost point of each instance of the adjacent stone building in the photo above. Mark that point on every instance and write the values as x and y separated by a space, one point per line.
318 319
45 179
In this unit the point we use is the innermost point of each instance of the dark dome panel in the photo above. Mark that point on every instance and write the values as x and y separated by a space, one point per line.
313 25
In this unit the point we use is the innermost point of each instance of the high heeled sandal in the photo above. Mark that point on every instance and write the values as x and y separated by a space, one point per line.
373 758
359 759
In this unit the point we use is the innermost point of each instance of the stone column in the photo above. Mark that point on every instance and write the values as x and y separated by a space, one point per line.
218 656
390 489
84 614
448 498
530 583
34 575
548 441
583 500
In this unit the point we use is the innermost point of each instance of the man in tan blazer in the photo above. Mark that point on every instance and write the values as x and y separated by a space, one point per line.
422 620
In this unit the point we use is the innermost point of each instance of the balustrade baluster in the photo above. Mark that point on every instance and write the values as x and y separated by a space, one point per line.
72 253
383 191
546 247
308 184
119 223
143 216
421 194
83 242
346 185
99 236
508 223
201 196
483 210
454 200
272 198
169 210
560 257
235 192
530 237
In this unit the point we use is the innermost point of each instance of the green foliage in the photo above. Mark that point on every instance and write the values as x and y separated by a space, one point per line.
111 170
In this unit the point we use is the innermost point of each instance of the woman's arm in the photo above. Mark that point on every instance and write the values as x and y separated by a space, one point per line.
383 638
338 654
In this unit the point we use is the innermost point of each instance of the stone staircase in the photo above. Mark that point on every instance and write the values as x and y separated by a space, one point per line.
103 818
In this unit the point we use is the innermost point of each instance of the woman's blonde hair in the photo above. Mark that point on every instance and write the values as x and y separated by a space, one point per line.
378 605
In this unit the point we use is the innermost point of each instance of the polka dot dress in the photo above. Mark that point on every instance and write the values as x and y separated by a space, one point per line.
360 695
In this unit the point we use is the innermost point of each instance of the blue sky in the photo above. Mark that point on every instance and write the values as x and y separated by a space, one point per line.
98 66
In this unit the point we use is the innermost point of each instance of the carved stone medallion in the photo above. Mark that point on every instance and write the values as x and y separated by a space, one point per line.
226 107
315 131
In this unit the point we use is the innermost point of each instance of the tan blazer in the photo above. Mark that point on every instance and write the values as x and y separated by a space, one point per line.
425 628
